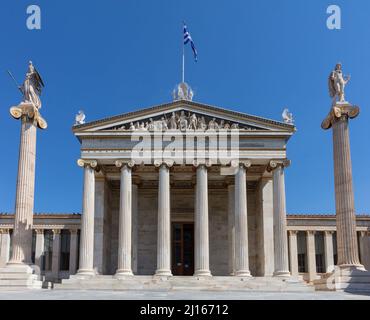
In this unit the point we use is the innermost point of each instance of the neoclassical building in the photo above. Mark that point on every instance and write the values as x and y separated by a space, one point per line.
179 190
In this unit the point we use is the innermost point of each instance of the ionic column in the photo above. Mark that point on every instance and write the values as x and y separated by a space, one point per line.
293 253
5 246
241 222
164 220
201 234
344 200
56 253
365 249
86 265
23 220
39 248
73 250
231 228
135 226
329 252
125 220
311 255
280 224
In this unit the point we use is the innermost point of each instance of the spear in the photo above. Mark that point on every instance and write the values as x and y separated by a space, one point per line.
15 81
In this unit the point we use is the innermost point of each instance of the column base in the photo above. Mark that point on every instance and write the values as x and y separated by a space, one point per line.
20 276
163 273
86 272
281 274
243 273
352 279
123 273
202 273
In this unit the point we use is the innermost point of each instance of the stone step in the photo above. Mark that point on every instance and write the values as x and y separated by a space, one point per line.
19 276
184 283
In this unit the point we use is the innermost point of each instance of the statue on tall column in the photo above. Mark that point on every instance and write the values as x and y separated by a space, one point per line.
337 84
31 104
32 86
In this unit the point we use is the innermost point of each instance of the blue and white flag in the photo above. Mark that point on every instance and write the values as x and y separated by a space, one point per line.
187 39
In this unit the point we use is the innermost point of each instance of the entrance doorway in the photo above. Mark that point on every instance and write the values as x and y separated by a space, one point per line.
182 249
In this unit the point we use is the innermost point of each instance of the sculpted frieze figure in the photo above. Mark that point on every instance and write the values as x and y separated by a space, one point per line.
337 83
173 121
193 122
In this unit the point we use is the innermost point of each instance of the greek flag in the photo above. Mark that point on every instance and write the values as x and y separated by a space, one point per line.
187 39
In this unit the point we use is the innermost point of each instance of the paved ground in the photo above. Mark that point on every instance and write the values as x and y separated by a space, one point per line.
183 295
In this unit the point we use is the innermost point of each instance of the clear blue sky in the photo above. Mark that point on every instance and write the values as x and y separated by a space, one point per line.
109 57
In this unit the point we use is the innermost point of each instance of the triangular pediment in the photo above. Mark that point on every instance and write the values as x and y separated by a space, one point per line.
180 115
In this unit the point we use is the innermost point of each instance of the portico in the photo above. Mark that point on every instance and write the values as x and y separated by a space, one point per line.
178 215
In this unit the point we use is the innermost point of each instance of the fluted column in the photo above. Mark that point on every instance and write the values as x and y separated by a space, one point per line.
344 200
365 249
73 250
56 253
311 255
201 222
5 246
164 220
329 252
241 222
231 228
39 248
86 265
135 226
125 220
293 253
280 224
23 220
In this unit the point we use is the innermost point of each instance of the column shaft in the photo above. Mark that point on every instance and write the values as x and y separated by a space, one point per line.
329 252
241 224
201 224
87 224
311 255
280 229
293 253
164 223
231 228
135 228
56 254
73 251
346 219
125 223
22 233
39 249
5 246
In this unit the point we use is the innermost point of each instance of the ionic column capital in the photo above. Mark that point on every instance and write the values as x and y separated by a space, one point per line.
310 232
199 163
122 163
292 232
73 231
274 164
241 163
56 231
328 232
87 163
168 163
39 231
4 231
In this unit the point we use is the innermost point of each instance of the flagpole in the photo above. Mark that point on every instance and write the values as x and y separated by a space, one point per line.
183 58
